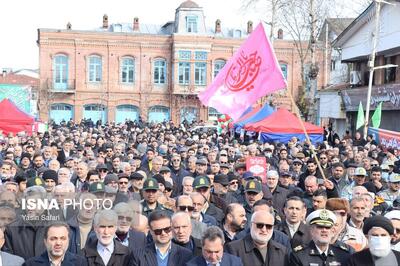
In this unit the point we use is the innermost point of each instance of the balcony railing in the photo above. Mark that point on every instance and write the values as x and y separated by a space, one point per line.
61 86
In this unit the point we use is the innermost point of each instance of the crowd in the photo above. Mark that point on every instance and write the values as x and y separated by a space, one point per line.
160 194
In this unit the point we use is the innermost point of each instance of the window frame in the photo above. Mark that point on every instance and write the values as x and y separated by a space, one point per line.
97 70
127 68
184 67
161 70
200 73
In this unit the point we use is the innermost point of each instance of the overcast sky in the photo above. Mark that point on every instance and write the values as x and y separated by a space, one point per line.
20 19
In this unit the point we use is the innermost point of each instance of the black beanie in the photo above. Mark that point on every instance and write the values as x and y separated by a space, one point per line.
50 174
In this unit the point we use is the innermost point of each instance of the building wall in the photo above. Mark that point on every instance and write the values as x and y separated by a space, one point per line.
144 48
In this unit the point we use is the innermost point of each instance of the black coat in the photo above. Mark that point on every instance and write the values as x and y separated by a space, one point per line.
147 256
227 260
120 256
250 255
215 212
305 255
279 198
69 260
194 245
301 237
136 240
364 258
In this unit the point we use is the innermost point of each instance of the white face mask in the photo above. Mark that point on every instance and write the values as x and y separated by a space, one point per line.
379 245
268 154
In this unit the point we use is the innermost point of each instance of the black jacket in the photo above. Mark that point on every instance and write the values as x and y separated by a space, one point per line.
194 245
69 260
250 255
120 256
301 237
215 212
227 260
279 198
147 256
364 258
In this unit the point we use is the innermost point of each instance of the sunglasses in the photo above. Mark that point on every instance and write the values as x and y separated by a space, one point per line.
128 219
158 232
123 182
233 183
261 226
168 190
184 208
103 170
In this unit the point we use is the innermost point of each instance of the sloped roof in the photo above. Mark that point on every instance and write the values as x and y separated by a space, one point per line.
16 79
189 4
338 25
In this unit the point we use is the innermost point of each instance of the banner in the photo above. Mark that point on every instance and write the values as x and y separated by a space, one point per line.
386 138
258 166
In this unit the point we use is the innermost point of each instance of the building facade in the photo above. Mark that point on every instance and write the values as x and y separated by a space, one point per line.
130 70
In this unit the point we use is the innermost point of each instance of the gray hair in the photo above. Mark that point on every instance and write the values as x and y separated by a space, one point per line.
108 215
273 173
181 214
123 208
68 186
212 233
187 178
265 213
35 190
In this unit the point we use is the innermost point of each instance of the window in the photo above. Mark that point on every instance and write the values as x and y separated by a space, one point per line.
284 69
200 71
191 24
237 34
128 70
184 73
95 67
390 73
201 56
333 65
61 107
218 65
160 70
60 71
184 55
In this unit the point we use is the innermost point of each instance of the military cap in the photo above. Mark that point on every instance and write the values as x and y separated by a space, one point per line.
35 181
97 187
360 171
221 179
165 169
150 184
253 186
201 181
394 178
201 161
224 165
321 217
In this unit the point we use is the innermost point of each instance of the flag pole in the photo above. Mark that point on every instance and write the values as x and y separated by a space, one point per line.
297 112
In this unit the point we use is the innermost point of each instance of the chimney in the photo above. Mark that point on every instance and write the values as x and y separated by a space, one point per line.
249 27
218 26
280 34
69 26
105 21
4 73
136 24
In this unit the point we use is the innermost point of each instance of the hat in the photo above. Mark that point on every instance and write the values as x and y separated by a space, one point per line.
110 190
248 175
393 215
221 179
378 221
201 181
183 149
202 161
385 167
240 165
224 165
165 169
150 184
297 161
232 176
123 175
96 187
253 186
360 171
394 178
50 174
168 185
101 166
335 204
109 178
286 173
390 163
300 155
35 181
321 217
160 179
69 158
136 176
25 155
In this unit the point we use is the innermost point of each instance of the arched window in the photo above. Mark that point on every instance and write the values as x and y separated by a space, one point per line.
126 112
284 68
189 114
95 112
128 70
61 112
160 71
218 65
158 114
60 74
95 68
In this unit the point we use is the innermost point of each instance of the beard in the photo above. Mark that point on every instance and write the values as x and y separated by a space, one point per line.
260 239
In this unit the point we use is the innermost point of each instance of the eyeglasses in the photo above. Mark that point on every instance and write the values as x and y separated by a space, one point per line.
123 182
234 183
128 219
158 232
168 189
261 226
184 208
103 170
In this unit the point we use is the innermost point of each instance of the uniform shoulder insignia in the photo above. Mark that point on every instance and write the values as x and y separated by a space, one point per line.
298 248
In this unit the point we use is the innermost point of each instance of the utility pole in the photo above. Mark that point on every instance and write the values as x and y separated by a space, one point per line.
313 73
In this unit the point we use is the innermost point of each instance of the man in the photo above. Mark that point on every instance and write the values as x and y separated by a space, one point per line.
258 248
253 192
150 195
390 194
187 185
358 212
184 203
137 180
235 221
162 251
7 258
124 234
279 193
339 177
319 199
293 226
105 250
220 195
50 180
359 179
394 217
198 206
56 240
379 230
213 251
182 230
319 251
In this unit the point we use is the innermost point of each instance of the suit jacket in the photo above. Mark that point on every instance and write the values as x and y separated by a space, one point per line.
120 256
69 260
136 240
10 259
250 255
364 258
301 237
148 257
227 260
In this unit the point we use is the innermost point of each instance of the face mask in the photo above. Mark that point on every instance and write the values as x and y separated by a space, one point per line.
379 245
268 154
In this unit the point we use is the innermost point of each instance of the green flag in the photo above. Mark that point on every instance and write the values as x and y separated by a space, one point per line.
360 117
376 118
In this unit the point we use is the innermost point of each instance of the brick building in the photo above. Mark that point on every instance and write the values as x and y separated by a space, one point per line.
123 70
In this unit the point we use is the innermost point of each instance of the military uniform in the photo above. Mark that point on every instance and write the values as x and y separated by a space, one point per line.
308 255
152 184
